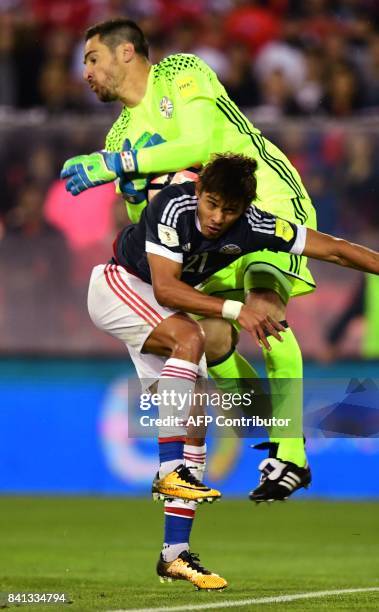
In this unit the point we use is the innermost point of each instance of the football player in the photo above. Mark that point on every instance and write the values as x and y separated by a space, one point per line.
141 298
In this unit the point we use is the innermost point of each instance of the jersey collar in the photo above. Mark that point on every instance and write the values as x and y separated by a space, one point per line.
197 222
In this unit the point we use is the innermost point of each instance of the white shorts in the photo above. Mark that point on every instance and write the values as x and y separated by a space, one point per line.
124 306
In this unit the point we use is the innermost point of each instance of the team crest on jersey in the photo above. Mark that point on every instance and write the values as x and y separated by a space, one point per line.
230 249
168 235
166 107
186 247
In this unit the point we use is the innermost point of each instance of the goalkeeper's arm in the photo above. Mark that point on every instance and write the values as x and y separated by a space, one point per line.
192 147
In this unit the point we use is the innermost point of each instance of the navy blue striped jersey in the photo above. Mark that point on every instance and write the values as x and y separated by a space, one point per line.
169 227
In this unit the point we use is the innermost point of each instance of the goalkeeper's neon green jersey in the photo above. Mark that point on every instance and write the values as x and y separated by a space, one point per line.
188 106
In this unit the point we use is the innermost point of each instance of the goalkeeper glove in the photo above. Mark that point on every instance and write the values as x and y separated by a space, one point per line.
135 191
85 171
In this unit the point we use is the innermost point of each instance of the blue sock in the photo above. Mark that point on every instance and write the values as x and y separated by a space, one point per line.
178 524
170 454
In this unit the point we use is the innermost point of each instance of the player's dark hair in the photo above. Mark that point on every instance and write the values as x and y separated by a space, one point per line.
230 176
116 31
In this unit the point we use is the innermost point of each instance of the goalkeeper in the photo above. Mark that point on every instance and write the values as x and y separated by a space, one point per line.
175 115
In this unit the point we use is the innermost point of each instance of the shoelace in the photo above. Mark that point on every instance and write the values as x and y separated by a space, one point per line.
186 474
193 561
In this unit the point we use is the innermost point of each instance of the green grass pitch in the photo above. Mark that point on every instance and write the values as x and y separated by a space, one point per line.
102 552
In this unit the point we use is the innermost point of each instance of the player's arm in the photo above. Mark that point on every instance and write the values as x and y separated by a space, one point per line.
172 293
280 235
189 149
196 120
341 252
300 240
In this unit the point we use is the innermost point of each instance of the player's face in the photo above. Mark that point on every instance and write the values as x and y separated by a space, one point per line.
215 215
102 70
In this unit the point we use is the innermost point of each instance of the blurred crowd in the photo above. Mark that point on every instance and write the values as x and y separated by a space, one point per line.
286 57
279 60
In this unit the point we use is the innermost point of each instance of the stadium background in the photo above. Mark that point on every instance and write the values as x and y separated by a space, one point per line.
307 73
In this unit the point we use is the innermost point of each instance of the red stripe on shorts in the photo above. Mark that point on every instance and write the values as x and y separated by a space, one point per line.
140 299
120 290
124 298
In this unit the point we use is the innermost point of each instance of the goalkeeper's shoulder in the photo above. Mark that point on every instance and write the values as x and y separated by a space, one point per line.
174 64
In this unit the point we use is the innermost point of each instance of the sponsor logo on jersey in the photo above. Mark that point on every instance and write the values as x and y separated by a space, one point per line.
283 230
166 107
188 87
230 249
168 235
186 247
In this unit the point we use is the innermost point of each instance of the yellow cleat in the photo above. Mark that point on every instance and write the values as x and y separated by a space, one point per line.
182 484
187 567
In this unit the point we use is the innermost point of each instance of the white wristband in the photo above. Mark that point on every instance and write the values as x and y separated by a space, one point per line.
231 309
128 161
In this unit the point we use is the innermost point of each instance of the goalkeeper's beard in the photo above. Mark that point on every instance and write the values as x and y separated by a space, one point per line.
105 93
106 96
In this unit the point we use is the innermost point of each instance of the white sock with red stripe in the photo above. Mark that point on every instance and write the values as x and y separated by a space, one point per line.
175 390
194 459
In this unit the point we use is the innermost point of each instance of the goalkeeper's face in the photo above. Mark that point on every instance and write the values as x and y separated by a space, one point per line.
103 70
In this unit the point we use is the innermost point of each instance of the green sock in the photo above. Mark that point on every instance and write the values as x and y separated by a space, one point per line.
233 374
284 361
236 375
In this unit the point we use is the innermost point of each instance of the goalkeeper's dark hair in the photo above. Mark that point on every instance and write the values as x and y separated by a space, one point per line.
116 31
230 176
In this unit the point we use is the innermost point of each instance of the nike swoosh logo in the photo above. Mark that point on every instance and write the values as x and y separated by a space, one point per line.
192 489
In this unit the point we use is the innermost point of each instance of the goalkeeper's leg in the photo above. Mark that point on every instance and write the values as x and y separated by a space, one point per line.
284 368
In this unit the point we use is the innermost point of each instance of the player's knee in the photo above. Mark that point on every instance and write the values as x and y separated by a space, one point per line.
189 341
219 338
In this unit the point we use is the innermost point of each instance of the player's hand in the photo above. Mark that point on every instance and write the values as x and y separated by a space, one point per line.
259 326
86 171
